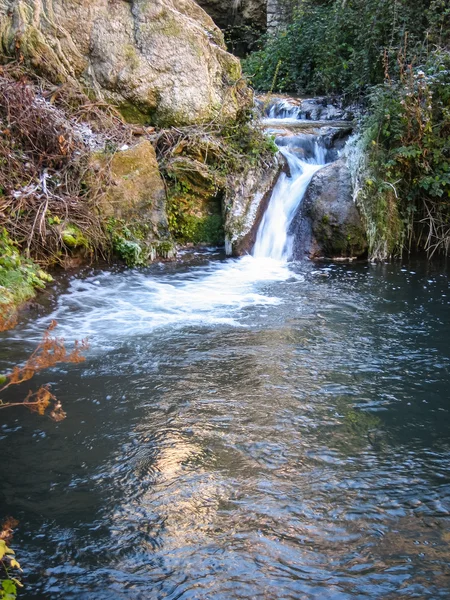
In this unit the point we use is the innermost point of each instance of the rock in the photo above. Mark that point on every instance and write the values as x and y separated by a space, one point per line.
243 20
159 61
328 223
311 109
195 207
247 197
136 194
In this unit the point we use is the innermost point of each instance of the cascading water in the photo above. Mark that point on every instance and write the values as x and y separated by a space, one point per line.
272 240
134 303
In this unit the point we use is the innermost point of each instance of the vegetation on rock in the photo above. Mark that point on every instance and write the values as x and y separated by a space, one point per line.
199 165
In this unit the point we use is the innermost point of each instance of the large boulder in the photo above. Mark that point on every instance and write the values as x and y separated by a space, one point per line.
159 61
328 223
133 203
136 189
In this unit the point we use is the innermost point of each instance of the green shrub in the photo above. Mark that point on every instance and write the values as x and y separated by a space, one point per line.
333 46
406 139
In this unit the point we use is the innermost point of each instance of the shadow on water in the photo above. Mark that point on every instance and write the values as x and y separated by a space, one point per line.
239 429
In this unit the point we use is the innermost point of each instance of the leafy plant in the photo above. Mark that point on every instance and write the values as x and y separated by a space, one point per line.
333 46
405 137
8 562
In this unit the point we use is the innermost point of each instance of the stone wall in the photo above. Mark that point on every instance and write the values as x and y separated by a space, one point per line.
278 12
242 21
256 15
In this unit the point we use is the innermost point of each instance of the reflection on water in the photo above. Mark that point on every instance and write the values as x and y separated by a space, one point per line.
240 429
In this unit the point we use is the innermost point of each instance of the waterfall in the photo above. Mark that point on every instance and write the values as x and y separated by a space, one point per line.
272 240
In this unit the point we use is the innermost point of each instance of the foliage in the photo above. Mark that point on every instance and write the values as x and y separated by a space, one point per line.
406 139
127 242
50 352
8 583
330 46
19 278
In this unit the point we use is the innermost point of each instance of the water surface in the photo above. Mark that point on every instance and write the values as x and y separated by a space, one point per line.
240 429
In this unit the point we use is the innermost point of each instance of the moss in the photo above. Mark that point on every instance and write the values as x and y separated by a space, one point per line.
340 241
194 229
19 279
132 56
132 114
73 237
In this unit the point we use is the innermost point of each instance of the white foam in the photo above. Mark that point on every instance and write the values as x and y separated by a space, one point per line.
123 305
273 239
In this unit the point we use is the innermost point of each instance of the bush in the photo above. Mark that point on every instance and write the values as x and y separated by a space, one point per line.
406 142
332 46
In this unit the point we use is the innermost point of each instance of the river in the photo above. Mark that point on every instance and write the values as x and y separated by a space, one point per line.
241 428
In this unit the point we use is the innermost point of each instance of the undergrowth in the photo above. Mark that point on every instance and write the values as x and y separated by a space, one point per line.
47 199
197 162
405 194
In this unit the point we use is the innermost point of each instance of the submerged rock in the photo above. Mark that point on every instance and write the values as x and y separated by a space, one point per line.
328 222
159 61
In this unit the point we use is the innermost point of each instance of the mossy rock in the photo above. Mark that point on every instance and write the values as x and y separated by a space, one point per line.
20 278
337 228
137 191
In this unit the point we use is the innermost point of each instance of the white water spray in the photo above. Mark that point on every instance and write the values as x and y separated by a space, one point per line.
273 240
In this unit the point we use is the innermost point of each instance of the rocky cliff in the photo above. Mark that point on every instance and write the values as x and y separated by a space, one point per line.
158 61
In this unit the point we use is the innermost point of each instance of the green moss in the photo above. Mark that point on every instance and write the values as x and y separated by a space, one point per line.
132 56
188 228
340 241
19 278
73 237
133 115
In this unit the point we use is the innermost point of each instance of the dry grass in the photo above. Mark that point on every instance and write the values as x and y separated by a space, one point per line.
46 178
50 352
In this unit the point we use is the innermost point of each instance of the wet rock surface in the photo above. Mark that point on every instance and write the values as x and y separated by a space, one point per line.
247 197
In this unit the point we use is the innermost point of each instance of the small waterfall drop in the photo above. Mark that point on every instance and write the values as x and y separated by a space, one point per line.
272 239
